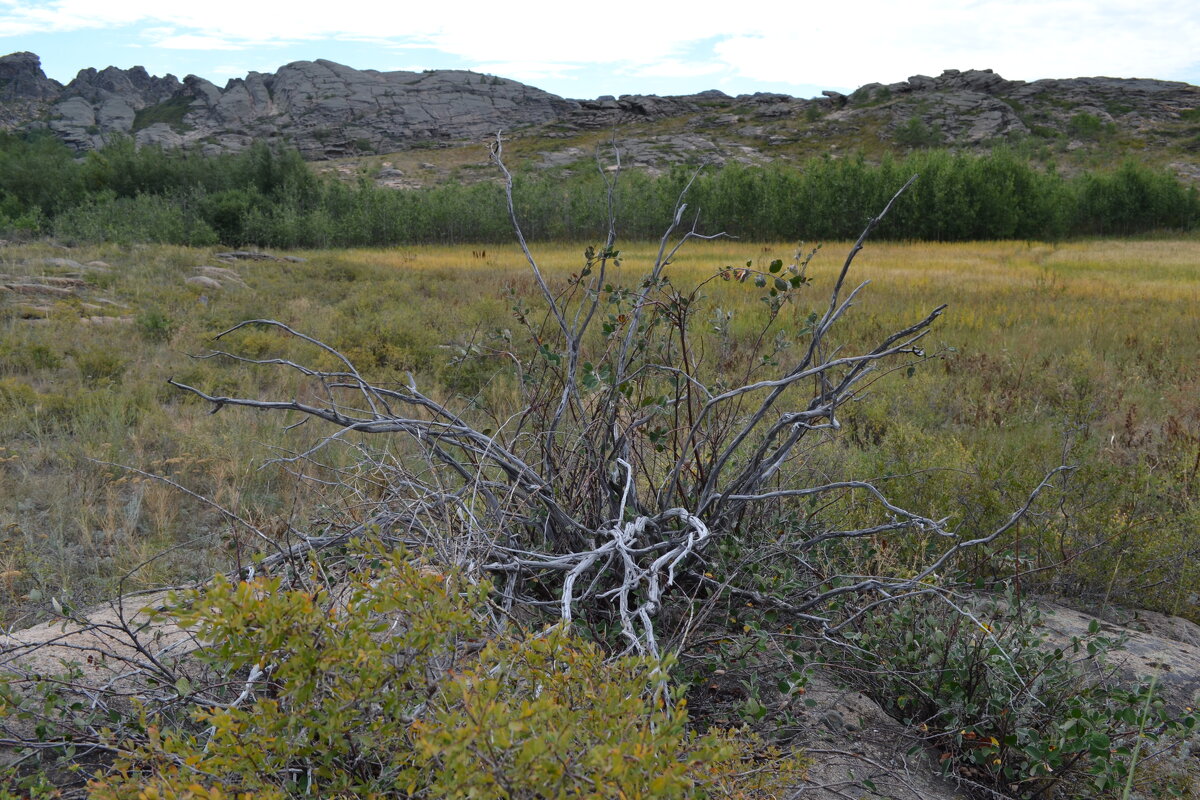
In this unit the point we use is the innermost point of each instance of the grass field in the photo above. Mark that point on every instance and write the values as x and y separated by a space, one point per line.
1088 352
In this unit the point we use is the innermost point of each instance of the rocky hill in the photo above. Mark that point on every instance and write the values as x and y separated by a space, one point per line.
322 108
330 111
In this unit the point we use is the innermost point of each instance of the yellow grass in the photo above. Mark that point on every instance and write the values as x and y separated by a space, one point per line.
1097 342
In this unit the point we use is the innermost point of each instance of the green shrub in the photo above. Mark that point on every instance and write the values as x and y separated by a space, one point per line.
154 325
1003 705
1089 127
124 220
23 358
916 133
226 213
363 687
170 112
99 365
269 198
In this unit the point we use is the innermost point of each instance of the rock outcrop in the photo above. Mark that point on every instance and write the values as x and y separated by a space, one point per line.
322 108
25 91
328 110
21 78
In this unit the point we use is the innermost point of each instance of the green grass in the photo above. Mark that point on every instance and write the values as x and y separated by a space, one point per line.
170 112
1089 348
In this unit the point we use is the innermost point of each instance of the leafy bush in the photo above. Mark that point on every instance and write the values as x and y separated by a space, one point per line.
124 220
26 357
916 133
154 325
1089 127
170 112
366 686
271 198
1123 201
1004 706
98 365
226 213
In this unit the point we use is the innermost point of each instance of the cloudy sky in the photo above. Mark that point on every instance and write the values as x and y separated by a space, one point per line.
621 46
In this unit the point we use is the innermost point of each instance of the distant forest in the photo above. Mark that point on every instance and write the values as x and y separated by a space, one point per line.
268 198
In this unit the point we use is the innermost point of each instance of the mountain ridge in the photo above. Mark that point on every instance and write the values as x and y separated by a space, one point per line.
329 111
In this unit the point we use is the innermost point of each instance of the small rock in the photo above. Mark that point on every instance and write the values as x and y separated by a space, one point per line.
62 263
30 312
203 282
253 255
837 98
221 275
246 255
106 320
833 720
37 288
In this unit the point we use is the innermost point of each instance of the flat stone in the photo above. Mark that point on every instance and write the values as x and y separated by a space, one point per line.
204 282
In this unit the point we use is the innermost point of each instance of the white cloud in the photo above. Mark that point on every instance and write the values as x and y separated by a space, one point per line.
796 42
1028 39
199 42
675 68
528 70
223 72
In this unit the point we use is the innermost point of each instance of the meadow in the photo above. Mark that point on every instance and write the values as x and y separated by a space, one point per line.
1085 353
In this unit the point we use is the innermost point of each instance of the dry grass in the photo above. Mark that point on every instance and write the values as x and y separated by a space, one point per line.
1095 344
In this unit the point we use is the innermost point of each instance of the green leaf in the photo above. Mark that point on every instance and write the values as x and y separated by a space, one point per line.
781 285
776 265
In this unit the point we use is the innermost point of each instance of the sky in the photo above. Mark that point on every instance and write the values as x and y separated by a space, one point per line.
584 50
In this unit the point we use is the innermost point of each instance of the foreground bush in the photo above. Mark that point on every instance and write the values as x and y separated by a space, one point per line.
1007 708
370 688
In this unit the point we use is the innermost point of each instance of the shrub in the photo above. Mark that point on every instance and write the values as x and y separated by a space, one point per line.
154 325
144 218
917 133
226 213
98 365
1089 127
365 686
171 112
23 358
1003 705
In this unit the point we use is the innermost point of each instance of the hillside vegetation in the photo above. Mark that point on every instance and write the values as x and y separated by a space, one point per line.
272 199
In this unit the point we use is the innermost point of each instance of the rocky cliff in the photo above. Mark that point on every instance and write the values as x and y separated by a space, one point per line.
328 110
322 108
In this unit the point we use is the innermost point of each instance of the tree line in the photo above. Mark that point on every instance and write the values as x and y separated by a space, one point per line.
272 198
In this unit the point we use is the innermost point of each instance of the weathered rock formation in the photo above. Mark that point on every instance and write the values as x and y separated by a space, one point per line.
328 110
25 91
322 108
